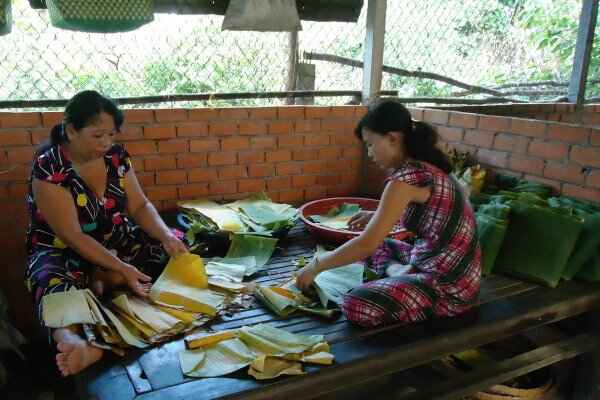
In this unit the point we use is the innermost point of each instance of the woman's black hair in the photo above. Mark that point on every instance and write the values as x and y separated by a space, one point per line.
82 110
420 138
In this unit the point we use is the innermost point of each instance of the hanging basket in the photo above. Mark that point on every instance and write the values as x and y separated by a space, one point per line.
101 16
5 17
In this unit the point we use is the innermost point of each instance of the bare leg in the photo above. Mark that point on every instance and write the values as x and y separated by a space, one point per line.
75 354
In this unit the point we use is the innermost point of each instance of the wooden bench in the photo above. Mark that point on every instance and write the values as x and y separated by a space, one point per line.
368 362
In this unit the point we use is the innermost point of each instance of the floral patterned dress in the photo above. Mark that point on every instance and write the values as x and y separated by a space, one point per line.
445 258
54 267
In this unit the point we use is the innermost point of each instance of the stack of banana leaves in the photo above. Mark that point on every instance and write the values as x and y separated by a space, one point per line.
526 233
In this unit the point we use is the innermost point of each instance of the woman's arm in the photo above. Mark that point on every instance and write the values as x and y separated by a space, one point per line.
394 200
146 216
65 225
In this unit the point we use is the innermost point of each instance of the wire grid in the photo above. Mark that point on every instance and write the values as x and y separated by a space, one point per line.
480 42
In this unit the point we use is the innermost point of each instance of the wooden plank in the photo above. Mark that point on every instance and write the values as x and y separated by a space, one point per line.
136 374
373 49
583 51
502 371
107 380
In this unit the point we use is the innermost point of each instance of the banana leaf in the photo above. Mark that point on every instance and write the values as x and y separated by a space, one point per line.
224 217
218 359
538 243
491 232
333 284
259 247
591 270
231 269
263 215
265 339
338 216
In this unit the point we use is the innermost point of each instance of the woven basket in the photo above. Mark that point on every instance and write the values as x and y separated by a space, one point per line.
102 16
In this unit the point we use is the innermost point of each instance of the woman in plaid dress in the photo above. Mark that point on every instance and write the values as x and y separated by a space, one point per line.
437 275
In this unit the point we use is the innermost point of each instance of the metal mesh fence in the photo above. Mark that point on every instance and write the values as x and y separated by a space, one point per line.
506 46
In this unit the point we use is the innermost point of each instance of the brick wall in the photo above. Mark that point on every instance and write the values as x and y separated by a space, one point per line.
294 154
566 156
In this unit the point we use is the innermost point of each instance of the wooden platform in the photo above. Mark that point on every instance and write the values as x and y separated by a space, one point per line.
506 307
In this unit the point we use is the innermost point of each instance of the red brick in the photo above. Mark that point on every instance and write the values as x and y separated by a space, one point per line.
260 170
336 126
171 177
449 134
130 133
263 113
493 123
232 172
264 142
233 113
204 145
153 164
291 196
222 128
222 158
589 156
16 137
139 148
343 111
138 164
328 179
511 143
20 120
307 126
344 140
593 179
304 155
362 110
173 146
595 137
4 189
146 179
139 116
493 158
20 155
162 193
38 136
527 127
342 190
226 187
202 175
316 140
171 115
529 165
203 114
581 192
253 128
337 166
315 167
18 190
49 119
289 168
317 112
330 153
281 182
235 143
159 132
591 119
440 117
315 193
251 157
185 161
290 141
290 112
479 138
251 185
548 150
279 156
193 129
564 172
353 153
280 127
464 120
304 180
568 133
193 191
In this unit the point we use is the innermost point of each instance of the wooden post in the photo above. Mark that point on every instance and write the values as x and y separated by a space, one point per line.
305 80
373 49
583 49
292 63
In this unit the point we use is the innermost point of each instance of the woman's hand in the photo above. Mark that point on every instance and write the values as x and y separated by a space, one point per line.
307 276
136 280
360 220
173 246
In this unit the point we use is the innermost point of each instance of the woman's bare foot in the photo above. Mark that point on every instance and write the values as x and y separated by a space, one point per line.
75 355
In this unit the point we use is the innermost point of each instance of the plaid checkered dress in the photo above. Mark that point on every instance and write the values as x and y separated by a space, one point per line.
445 257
